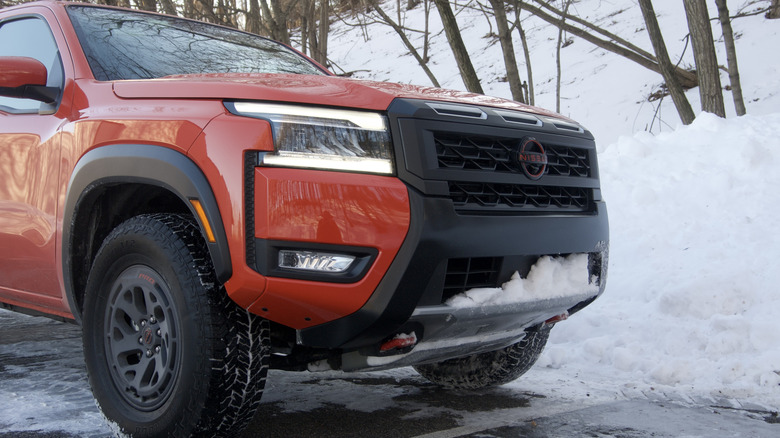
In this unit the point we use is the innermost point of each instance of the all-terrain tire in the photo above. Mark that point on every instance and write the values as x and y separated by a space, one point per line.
488 369
168 353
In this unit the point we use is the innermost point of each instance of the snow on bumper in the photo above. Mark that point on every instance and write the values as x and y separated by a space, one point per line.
481 320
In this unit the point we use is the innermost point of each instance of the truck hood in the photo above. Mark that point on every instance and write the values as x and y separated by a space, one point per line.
305 89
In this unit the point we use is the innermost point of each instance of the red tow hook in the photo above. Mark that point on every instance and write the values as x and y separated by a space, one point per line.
400 341
558 318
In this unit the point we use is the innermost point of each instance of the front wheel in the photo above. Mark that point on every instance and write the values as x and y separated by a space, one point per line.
168 353
488 369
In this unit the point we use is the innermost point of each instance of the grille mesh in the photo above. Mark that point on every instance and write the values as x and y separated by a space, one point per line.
456 151
468 273
475 196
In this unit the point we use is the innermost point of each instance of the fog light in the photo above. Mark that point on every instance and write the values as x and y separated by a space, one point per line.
315 261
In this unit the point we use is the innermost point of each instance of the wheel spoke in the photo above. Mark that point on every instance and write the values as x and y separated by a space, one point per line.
124 345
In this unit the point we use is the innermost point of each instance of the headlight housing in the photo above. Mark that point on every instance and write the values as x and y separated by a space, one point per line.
323 138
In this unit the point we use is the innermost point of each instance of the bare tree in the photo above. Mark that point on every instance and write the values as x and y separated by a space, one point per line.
731 57
426 31
147 5
594 28
168 7
315 27
526 52
507 50
253 17
274 15
324 30
566 5
467 72
686 78
667 69
704 55
409 46
200 10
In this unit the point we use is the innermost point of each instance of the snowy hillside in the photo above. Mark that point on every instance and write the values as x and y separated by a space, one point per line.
691 302
605 92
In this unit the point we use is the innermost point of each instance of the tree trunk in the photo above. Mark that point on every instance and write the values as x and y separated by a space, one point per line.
597 29
685 78
774 10
427 32
274 20
399 30
508 50
147 5
704 55
323 31
253 17
526 52
467 72
168 7
312 28
558 59
667 69
731 56
280 16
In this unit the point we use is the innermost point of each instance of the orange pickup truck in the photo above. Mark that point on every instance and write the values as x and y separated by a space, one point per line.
208 204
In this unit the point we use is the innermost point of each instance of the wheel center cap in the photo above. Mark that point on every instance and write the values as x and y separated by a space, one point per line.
148 336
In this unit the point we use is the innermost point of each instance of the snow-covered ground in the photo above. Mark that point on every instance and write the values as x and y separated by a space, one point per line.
691 302
690 310
691 299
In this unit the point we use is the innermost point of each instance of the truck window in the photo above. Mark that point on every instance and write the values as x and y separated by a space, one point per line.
129 45
30 37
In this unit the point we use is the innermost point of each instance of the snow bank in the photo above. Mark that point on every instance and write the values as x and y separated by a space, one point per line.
550 277
692 296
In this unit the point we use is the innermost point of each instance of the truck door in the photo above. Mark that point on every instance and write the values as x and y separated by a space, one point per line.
29 172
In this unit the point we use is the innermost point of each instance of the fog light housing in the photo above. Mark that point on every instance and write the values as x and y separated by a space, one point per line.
315 261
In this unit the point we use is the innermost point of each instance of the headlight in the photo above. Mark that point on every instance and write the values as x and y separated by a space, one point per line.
323 138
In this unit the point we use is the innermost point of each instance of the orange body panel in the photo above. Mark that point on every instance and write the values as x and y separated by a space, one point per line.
332 208
219 151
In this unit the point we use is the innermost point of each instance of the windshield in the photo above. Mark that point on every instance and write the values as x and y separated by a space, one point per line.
130 45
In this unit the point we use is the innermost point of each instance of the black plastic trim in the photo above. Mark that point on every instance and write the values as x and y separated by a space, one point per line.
40 93
145 164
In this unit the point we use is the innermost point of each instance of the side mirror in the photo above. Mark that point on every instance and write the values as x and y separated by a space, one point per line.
25 78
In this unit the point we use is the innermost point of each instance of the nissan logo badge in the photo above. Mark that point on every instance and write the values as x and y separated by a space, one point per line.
532 158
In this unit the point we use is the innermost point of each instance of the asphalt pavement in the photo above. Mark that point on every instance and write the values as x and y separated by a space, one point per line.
44 393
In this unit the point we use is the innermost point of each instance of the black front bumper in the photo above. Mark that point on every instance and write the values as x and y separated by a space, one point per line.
476 216
417 276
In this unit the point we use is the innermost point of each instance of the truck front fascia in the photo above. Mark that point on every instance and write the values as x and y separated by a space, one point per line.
472 204
140 164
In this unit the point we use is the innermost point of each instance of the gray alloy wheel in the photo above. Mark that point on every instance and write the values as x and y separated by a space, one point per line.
167 352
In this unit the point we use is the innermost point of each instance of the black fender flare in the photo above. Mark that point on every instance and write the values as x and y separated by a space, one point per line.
142 164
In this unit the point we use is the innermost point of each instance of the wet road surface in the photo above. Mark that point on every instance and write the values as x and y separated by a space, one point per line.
44 393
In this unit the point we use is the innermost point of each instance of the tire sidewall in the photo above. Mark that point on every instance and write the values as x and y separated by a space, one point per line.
121 250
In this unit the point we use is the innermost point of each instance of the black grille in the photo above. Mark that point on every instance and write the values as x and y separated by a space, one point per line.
513 197
464 152
470 273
